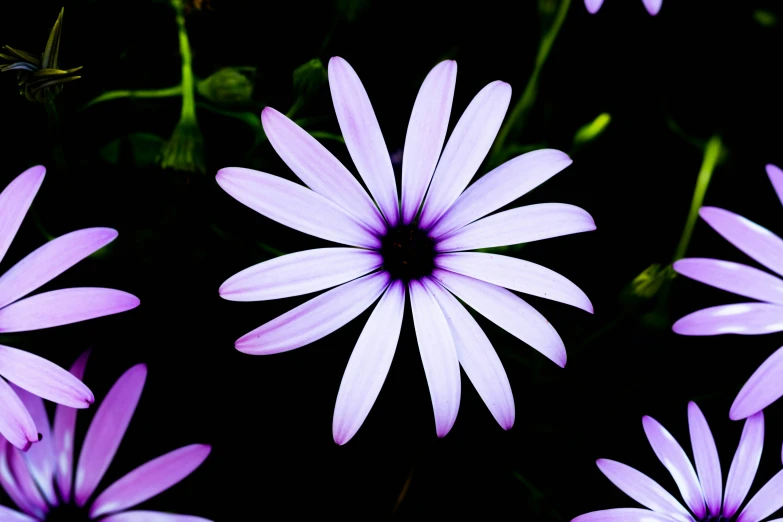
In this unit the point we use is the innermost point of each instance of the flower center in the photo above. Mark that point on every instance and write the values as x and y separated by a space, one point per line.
408 252
718 518
68 513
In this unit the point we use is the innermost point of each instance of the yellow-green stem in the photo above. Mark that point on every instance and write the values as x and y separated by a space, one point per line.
145 93
188 83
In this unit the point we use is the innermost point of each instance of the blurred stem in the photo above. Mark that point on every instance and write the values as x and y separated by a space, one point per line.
295 107
516 119
188 83
54 134
145 93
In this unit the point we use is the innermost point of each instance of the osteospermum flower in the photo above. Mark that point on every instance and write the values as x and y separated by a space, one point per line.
44 310
753 318
653 6
44 487
411 247
701 488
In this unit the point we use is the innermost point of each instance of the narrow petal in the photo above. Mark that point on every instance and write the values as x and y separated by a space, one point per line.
643 489
316 318
10 485
15 200
25 482
744 465
776 177
150 479
51 260
299 273
426 134
501 186
754 240
438 356
43 378
319 169
671 455
295 206
107 430
740 318
733 277
516 274
593 5
363 136
466 149
653 6
763 388
507 311
768 500
151 516
622 515
10 515
705 454
16 424
477 356
64 428
40 456
519 225
369 364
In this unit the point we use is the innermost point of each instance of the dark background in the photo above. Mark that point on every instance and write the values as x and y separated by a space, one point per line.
708 66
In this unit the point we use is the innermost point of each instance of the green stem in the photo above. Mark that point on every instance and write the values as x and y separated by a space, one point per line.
188 82
54 133
516 119
145 93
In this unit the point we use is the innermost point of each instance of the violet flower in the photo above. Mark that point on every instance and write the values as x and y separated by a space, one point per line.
754 318
44 310
413 247
653 6
43 485
701 488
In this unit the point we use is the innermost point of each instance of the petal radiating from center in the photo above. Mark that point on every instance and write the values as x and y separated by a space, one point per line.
744 465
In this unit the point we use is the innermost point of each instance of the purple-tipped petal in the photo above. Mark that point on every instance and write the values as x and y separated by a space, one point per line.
744 465
319 169
316 318
508 311
151 516
740 318
501 186
15 200
733 277
64 428
593 5
16 424
9 483
776 178
519 225
295 206
705 454
150 479
768 500
25 482
477 356
369 364
363 136
466 149
643 489
438 356
652 6
516 274
40 456
754 240
11 515
51 260
671 455
622 515
426 134
299 273
763 388
107 430
43 378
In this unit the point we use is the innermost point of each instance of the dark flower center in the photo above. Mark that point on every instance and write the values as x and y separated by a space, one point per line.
718 518
408 253
68 513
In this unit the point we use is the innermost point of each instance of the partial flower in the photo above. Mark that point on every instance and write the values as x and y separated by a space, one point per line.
20 312
414 246
40 79
701 488
42 482
751 318
653 6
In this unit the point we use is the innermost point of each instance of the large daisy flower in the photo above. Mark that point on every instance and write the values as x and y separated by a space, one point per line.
44 310
653 6
753 318
41 481
411 246
701 488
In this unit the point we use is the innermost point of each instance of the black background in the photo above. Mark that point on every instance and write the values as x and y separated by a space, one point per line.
708 65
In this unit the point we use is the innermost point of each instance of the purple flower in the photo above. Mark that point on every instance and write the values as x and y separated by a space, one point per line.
44 310
413 247
42 484
653 6
753 318
701 488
